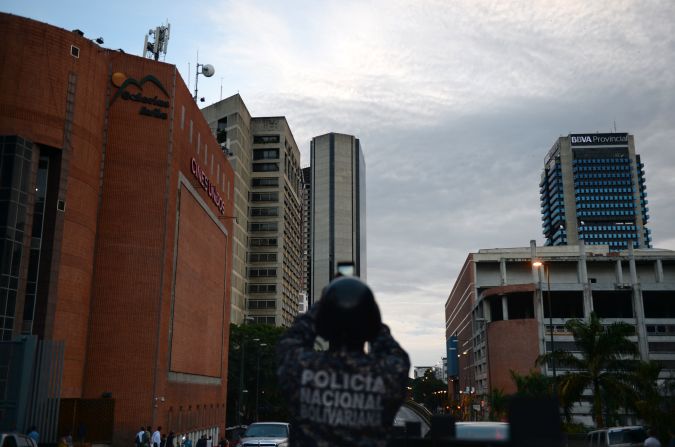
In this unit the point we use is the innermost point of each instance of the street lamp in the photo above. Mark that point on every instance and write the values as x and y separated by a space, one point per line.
547 270
257 379
242 345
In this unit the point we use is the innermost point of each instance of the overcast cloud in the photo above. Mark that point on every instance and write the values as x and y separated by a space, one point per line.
456 104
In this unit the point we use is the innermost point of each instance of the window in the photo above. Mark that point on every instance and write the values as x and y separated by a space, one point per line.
265 212
265 197
265 139
263 242
265 154
221 131
263 226
262 257
262 304
265 167
263 320
262 273
262 288
265 181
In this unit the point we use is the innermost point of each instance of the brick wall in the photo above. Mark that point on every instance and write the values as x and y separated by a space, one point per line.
512 345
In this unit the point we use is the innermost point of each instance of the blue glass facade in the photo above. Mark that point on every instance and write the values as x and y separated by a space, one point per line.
610 198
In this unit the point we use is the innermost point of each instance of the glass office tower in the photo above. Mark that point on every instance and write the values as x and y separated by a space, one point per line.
593 189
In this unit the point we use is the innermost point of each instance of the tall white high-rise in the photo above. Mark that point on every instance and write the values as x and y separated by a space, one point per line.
338 208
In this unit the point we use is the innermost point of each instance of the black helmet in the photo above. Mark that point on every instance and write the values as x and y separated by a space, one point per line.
348 314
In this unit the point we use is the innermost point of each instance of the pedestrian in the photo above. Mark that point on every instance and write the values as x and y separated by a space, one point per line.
652 440
33 434
209 442
202 441
170 439
342 396
187 442
139 437
671 435
62 442
223 442
147 437
157 437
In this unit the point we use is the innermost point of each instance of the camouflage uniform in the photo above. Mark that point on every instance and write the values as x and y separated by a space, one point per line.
340 398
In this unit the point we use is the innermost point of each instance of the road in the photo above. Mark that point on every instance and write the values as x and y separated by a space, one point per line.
405 414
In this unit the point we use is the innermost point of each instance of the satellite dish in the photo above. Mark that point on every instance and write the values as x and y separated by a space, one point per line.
208 70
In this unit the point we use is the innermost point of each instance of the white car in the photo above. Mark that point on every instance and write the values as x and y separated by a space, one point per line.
482 431
266 434
630 436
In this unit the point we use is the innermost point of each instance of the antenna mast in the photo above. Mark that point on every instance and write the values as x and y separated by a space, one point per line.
152 50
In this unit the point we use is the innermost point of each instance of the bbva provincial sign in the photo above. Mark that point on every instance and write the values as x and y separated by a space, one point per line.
599 139
153 106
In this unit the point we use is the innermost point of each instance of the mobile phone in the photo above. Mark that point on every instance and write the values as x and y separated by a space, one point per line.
346 269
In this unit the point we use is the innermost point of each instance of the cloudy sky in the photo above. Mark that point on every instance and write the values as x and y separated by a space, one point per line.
456 104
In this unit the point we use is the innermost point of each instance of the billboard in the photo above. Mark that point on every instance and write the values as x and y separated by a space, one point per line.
452 354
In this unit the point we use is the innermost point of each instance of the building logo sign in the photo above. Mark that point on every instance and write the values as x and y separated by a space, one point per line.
208 186
599 139
151 105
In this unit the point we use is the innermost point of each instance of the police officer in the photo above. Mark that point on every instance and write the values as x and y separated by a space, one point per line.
342 396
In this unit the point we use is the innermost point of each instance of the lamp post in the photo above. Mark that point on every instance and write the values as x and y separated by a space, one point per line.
257 380
547 272
242 346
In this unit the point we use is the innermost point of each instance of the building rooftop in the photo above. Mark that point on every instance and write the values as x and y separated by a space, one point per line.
562 251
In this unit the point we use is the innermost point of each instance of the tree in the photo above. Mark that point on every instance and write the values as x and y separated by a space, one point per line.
654 401
498 404
533 384
259 374
429 391
604 363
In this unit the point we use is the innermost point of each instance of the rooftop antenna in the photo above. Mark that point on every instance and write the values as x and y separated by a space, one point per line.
206 70
152 50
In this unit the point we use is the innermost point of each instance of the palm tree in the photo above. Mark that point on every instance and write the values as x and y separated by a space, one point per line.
533 384
498 404
604 362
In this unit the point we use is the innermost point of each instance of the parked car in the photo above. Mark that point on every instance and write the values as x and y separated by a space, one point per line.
630 436
482 431
16 440
268 434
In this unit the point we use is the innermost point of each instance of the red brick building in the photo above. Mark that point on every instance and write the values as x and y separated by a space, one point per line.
115 237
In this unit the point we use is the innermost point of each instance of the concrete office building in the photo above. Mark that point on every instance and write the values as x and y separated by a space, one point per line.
115 246
230 121
593 190
497 315
306 281
268 242
338 208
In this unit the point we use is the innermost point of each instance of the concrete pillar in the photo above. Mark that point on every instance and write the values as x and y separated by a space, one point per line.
638 307
659 270
619 272
505 307
583 278
487 314
583 269
502 270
